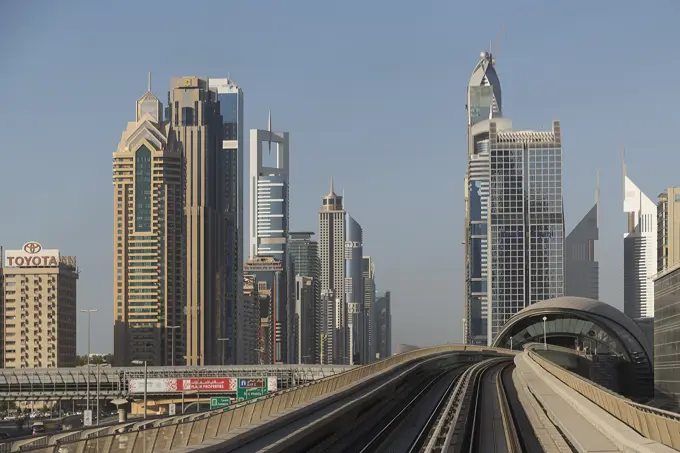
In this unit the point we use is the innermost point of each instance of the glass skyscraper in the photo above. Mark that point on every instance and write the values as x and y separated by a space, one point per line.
526 221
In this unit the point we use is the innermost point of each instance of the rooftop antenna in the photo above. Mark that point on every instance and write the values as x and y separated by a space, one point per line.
498 44
269 128
332 188
149 81
228 77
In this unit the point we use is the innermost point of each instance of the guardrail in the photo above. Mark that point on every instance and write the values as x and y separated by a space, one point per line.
655 424
193 430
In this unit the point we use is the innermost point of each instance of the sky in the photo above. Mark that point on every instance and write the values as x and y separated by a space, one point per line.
372 93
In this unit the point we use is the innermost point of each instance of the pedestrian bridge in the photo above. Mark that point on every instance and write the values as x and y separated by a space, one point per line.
546 391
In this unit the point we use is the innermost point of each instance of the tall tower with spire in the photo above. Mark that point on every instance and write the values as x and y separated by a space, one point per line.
332 228
147 236
484 103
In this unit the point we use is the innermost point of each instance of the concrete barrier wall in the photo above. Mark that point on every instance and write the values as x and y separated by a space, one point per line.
655 424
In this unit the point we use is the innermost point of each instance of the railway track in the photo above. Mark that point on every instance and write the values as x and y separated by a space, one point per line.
478 415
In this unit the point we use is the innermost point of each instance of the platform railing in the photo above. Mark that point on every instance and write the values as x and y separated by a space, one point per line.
202 426
655 424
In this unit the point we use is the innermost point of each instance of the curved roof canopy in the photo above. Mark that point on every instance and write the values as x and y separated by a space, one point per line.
582 319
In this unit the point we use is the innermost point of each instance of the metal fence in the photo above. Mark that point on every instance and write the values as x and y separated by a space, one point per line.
655 424
195 429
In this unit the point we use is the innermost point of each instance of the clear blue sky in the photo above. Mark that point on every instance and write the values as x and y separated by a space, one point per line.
371 92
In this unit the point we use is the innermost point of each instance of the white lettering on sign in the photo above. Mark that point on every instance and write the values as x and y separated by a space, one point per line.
32 255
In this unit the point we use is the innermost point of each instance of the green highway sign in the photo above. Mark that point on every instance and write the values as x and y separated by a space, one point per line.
248 393
219 401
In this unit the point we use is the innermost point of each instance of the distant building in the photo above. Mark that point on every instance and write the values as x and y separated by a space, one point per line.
332 228
639 252
581 270
304 254
148 251
667 336
272 292
231 160
668 229
354 292
247 326
39 296
368 273
383 325
526 224
302 346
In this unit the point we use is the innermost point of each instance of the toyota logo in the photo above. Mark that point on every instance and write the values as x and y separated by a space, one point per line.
32 247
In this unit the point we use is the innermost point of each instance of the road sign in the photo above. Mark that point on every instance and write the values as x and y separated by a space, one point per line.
248 393
172 409
219 401
87 418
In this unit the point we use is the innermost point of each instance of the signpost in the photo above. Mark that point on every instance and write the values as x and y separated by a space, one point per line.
251 388
219 401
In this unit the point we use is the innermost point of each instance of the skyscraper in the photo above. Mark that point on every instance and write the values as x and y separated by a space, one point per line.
484 103
269 223
354 292
248 324
302 345
332 227
383 325
196 122
368 273
304 254
230 162
526 221
148 267
581 270
668 229
639 251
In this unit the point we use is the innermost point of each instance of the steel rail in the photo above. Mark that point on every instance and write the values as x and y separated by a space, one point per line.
375 441
512 437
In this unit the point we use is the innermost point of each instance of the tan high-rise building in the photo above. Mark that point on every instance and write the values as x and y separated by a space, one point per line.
39 309
332 225
196 123
148 291
668 229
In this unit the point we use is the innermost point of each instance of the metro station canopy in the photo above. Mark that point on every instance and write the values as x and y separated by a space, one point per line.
578 322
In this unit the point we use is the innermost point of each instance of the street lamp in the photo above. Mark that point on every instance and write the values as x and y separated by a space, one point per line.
89 318
143 362
172 328
223 339
545 335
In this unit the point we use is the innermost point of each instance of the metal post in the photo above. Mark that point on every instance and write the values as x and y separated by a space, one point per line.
182 403
145 385
545 335
511 343
98 379
87 383
223 340
172 360
198 396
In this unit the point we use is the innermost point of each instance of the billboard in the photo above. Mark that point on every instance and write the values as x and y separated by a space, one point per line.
163 385
32 254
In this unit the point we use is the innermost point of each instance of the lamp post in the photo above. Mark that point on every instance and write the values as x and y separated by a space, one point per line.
140 362
172 328
87 382
545 335
223 347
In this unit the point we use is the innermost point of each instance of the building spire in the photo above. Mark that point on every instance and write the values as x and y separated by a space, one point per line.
597 197
149 89
269 128
332 187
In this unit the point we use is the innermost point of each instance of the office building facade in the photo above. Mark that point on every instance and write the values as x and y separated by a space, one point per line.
526 221
247 329
148 240
639 252
354 292
230 162
302 345
667 337
581 269
272 286
304 255
196 122
668 229
39 297
484 102
368 273
332 228
383 325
